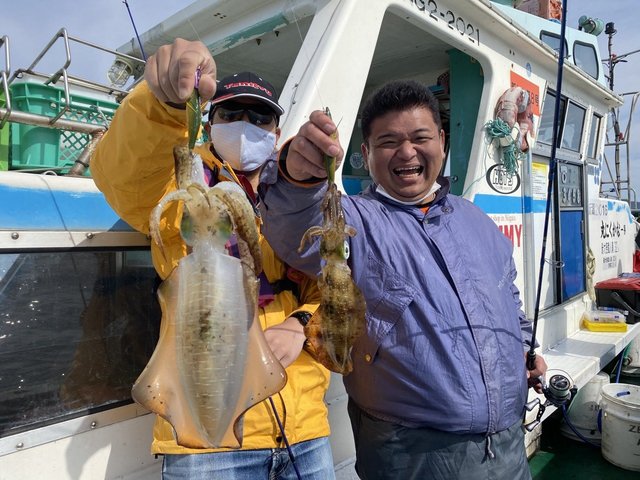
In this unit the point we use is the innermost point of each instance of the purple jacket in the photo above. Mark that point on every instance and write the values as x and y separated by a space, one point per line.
445 331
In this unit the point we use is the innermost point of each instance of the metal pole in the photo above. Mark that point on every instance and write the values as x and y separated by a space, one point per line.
44 121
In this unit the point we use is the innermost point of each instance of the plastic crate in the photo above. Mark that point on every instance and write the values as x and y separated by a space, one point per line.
40 148
616 292
604 327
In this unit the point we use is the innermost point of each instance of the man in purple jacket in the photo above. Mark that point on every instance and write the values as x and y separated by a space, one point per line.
439 380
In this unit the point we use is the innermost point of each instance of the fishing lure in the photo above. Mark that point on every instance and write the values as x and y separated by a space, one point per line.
194 111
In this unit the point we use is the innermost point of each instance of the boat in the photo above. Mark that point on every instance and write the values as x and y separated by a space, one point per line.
79 317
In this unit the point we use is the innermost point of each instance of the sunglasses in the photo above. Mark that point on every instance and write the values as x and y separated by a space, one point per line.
258 114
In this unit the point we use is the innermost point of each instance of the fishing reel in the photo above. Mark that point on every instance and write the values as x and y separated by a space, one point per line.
558 391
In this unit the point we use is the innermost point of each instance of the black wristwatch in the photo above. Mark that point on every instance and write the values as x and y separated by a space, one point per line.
302 316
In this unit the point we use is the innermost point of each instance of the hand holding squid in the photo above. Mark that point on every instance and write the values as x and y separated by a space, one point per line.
170 71
315 139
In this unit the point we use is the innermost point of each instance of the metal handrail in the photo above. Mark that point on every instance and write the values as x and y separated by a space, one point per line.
62 72
77 81
4 41
63 33
44 121
622 185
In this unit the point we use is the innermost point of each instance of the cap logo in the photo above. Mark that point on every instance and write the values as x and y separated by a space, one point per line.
247 84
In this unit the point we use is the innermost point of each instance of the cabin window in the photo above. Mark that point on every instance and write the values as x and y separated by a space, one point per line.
570 121
77 329
572 130
545 132
585 57
553 40
594 135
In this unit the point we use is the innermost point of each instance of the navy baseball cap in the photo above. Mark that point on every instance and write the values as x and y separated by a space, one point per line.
246 84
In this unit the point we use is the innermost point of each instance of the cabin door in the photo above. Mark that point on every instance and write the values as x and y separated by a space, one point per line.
565 271
571 280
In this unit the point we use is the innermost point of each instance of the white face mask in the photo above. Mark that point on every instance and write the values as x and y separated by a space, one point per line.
243 145
434 188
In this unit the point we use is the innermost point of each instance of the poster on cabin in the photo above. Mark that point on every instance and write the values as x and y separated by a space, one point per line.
528 104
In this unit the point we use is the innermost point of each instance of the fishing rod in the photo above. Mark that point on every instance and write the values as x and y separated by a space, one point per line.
531 354
144 56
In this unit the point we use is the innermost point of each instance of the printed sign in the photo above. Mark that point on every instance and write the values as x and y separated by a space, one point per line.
502 181
539 180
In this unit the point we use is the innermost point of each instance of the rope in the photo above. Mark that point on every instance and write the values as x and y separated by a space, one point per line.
511 154
591 270
484 168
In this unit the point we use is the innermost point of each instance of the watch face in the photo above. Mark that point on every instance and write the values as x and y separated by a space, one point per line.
303 317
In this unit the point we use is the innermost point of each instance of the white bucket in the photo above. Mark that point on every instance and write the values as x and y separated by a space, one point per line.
583 411
621 425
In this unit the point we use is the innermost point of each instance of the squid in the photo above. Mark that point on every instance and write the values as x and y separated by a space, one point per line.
212 362
340 318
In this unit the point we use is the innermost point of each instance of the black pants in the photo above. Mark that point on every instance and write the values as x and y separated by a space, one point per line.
387 451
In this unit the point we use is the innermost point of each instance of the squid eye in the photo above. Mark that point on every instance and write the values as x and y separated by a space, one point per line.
186 228
345 250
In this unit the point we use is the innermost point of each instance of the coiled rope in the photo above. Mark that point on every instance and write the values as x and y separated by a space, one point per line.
498 132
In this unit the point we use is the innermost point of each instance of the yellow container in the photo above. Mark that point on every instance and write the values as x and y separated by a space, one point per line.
604 327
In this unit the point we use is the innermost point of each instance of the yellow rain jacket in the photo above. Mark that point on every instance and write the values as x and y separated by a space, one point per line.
133 166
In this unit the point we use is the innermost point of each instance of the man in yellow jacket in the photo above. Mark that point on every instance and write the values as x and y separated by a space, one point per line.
133 166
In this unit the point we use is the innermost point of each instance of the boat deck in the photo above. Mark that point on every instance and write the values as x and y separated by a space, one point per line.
561 457
558 457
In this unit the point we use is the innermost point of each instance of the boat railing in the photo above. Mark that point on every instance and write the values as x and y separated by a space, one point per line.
620 182
4 78
83 129
63 72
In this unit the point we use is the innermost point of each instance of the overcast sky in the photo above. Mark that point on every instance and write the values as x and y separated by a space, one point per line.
30 24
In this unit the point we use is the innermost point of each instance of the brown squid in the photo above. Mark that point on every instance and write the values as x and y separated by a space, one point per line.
340 319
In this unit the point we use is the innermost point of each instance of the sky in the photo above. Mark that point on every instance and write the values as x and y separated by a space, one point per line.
31 24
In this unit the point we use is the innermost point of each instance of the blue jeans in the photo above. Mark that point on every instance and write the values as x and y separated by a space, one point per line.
313 459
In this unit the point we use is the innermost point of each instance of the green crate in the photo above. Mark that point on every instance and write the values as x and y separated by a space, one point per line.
41 148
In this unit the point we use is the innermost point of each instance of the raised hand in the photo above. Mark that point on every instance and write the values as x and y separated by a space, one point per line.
170 72
305 158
